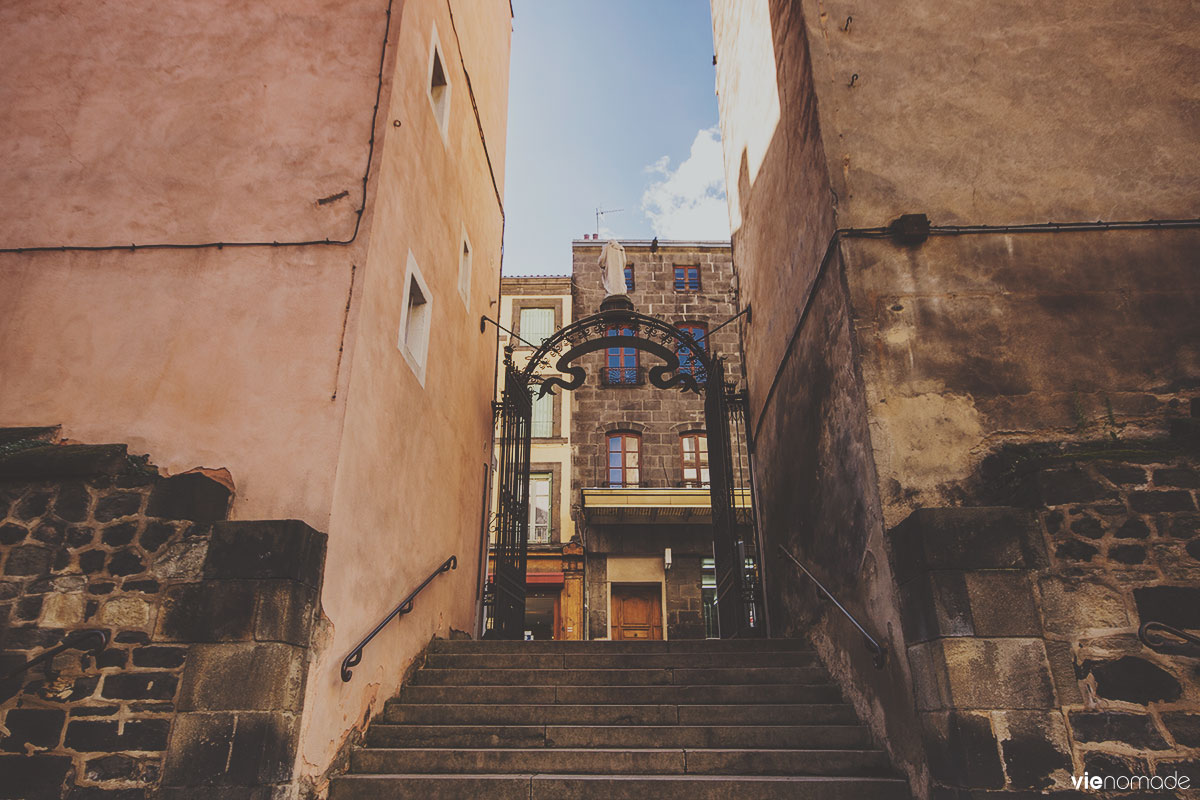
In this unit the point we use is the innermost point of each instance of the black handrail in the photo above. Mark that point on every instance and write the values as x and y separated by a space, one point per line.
406 605
879 657
75 640
1151 634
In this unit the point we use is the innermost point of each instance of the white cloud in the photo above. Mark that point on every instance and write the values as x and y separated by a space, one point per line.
689 201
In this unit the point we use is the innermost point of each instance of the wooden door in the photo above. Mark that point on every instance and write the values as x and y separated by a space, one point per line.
636 612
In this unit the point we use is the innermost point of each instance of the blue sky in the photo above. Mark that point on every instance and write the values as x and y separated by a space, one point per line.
611 104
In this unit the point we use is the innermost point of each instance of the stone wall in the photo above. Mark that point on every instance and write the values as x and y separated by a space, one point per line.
208 622
1022 621
659 415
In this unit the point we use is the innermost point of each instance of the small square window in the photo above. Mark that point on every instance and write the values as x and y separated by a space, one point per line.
439 85
464 271
687 279
416 317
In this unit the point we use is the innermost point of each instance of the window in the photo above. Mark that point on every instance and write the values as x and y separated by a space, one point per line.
708 596
687 363
464 271
629 279
694 447
622 363
539 508
439 86
537 325
415 318
623 459
542 424
687 279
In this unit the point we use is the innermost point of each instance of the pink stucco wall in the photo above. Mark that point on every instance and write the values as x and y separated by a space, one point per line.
191 122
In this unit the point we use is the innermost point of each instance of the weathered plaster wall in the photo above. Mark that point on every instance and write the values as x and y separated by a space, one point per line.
409 489
815 476
1013 112
181 123
1045 337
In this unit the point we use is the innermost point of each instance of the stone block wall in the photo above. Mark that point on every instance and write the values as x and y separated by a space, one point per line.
208 624
1021 623
685 613
658 415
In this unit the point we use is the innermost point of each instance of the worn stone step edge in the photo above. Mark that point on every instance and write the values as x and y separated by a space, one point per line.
665 676
605 646
719 694
787 658
552 786
62 461
626 760
39 433
638 714
771 737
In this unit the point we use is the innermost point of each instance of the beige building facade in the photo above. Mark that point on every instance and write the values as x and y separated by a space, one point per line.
259 241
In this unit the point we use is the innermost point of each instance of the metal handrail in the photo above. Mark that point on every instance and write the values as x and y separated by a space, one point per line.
72 641
406 605
1151 634
879 657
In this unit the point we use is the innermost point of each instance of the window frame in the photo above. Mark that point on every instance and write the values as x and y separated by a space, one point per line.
439 108
628 375
548 479
624 468
415 352
683 283
691 365
523 332
465 269
701 466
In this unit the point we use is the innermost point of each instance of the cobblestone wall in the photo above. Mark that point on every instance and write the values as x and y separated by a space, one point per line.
109 545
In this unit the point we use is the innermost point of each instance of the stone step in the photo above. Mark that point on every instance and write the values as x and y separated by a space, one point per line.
622 761
624 695
604 660
62 461
613 787
637 736
607 647
664 714
617 677
44 433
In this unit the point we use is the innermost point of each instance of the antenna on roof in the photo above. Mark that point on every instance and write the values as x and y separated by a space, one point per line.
600 213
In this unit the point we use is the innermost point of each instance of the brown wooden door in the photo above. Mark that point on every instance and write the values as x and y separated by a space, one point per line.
637 612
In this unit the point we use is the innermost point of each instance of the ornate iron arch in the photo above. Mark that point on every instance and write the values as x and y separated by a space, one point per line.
648 334
738 595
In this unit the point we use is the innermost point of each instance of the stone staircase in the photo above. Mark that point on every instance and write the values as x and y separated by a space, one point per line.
752 720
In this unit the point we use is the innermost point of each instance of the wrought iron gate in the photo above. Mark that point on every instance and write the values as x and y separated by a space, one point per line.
734 548
504 598
734 551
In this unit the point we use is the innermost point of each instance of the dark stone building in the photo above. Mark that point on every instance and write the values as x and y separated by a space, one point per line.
639 453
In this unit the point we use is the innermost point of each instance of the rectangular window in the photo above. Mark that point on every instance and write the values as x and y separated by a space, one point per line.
537 325
539 508
695 459
687 363
542 424
629 279
708 597
464 271
623 468
687 279
621 365
438 87
415 319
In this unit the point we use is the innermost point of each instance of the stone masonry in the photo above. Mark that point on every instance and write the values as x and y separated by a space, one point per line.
658 416
1021 621
208 621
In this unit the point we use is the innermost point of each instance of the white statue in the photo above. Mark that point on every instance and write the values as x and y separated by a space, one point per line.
612 268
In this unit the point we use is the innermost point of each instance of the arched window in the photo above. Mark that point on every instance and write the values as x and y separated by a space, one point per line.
687 363
623 453
622 364
694 450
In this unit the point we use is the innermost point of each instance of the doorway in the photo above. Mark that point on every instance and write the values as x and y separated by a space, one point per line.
636 612
542 616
